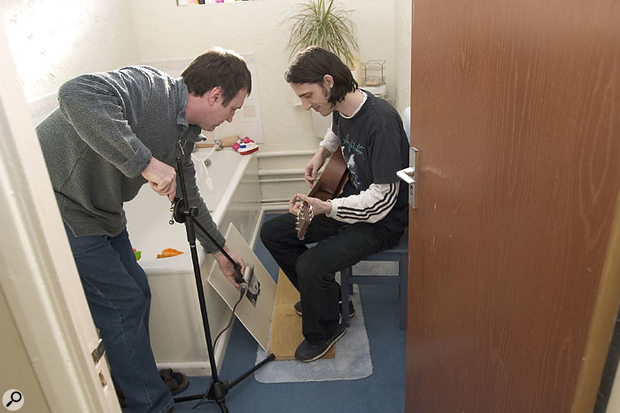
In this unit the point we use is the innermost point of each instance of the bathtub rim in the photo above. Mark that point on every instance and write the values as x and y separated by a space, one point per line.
182 264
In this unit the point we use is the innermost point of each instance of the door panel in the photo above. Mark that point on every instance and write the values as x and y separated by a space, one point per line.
515 113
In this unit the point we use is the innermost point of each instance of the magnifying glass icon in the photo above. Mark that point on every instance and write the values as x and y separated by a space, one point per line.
16 397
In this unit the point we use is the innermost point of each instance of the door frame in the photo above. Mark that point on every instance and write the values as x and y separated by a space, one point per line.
602 324
48 347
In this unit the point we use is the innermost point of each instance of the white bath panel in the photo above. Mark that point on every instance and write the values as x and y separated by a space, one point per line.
256 307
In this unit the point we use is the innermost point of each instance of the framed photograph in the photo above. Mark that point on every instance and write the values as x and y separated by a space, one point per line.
256 307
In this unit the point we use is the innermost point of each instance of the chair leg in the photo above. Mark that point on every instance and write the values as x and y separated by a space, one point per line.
344 295
350 274
346 289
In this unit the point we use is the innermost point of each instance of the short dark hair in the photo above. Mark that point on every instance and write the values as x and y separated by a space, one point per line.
218 67
311 64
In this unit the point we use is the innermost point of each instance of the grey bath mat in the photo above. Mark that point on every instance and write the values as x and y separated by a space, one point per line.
352 359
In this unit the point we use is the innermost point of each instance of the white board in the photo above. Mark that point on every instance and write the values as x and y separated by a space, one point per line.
256 308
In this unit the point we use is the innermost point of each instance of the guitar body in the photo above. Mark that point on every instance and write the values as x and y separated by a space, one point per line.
328 186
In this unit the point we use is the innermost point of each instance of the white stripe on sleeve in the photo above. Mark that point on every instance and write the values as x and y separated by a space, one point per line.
371 205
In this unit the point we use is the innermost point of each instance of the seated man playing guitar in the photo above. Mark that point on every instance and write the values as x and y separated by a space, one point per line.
367 214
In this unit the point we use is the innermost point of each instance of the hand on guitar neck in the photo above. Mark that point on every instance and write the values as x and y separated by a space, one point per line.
317 202
299 201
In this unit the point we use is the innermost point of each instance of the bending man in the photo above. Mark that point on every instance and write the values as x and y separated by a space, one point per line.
112 133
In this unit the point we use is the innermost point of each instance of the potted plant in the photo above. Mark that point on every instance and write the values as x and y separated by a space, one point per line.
321 23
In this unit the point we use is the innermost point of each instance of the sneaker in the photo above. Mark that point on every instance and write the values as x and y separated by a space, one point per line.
297 306
308 351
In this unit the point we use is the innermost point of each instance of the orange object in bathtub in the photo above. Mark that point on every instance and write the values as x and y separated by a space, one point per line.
169 252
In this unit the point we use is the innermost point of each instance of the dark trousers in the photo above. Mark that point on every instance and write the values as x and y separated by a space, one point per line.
312 270
119 299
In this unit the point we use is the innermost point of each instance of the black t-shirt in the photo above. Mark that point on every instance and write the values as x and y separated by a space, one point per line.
375 147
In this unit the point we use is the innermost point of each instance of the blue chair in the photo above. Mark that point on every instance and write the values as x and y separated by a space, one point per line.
398 253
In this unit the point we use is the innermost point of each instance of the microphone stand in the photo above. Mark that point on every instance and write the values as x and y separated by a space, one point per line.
184 213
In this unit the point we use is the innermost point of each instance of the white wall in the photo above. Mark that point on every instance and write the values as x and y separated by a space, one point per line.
402 94
55 40
165 31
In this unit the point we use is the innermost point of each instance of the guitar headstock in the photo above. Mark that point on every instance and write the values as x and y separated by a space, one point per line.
304 216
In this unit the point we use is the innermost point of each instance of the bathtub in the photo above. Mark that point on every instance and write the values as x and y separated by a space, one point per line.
229 186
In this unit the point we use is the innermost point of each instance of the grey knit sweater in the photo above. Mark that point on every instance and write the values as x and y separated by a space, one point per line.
101 137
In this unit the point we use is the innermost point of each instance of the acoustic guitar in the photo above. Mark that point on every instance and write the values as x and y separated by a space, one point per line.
328 186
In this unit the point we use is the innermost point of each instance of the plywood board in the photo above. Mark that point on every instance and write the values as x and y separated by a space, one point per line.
286 328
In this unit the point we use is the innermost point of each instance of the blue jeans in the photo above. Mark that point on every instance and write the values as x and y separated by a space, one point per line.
119 299
312 270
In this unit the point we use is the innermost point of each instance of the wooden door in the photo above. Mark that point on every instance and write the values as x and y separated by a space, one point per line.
516 115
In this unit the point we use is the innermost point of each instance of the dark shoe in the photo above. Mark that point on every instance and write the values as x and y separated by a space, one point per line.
308 351
176 382
351 309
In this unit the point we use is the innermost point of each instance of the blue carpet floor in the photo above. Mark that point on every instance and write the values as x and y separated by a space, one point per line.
381 392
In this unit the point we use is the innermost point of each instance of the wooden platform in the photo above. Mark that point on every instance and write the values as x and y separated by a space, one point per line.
286 324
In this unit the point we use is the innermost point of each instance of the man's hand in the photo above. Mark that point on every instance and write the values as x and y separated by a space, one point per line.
226 266
312 168
318 206
161 177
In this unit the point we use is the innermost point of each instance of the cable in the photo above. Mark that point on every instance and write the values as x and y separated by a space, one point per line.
232 316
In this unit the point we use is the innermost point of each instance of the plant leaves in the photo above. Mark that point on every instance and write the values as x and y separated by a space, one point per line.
321 23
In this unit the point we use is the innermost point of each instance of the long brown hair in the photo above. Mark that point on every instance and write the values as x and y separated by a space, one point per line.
311 64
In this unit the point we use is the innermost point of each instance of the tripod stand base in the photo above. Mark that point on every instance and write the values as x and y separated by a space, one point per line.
182 212
218 390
